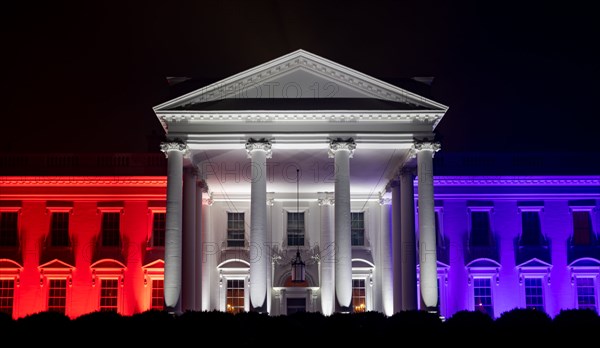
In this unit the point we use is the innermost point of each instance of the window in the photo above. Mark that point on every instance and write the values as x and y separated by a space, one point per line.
482 295
109 295
532 231
358 228
534 294
159 223
157 300
235 295
582 228
111 234
296 305
295 229
359 295
235 230
7 291
59 229
586 293
480 229
57 295
9 229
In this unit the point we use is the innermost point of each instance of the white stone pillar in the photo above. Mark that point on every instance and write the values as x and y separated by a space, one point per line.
258 152
396 247
199 247
327 258
427 237
210 250
188 266
342 151
173 253
387 284
409 246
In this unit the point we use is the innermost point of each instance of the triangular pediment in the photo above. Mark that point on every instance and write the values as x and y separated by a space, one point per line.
300 76
155 264
534 263
56 264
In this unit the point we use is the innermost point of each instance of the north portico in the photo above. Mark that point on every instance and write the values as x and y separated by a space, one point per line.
234 218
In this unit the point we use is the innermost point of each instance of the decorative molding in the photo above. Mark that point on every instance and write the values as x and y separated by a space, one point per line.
86 181
430 117
169 146
337 145
419 146
301 59
516 181
263 145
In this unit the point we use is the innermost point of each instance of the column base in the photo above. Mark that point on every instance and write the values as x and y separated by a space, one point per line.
262 309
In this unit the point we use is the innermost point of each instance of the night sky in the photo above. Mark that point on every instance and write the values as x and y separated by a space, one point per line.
82 78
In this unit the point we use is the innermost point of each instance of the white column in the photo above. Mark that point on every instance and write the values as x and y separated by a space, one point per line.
199 248
396 247
342 151
172 284
258 152
188 267
409 246
210 290
387 285
327 260
427 238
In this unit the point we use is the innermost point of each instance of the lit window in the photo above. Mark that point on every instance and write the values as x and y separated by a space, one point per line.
235 230
586 293
359 295
59 229
9 229
7 291
157 294
532 231
109 295
582 228
158 229
482 295
57 295
358 228
111 234
534 294
481 234
295 229
235 295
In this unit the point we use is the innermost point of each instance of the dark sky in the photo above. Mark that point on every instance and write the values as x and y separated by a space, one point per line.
517 77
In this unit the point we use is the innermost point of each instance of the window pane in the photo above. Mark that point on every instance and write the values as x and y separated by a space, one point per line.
295 229
482 295
57 295
358 228
157 294
7 289
582 228
159 222
586 294
111 235
109 293
532 231
480 229
534 298
235 230
59 229
235 296
359 295
9 228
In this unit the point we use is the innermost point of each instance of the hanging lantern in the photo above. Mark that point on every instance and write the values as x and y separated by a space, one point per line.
298 269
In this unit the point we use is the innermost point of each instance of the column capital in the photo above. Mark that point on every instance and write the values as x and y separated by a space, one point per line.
168 146
337 145
419 146
253 145
326 201
384 200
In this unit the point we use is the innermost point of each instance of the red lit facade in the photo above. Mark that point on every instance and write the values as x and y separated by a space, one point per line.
81 244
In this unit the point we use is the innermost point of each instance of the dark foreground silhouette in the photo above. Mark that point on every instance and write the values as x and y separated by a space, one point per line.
158 328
